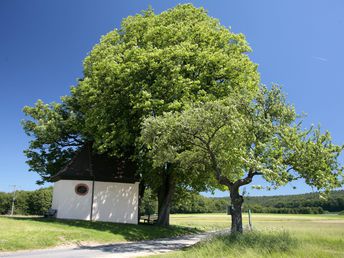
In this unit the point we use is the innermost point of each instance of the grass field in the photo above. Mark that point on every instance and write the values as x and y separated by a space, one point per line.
275 235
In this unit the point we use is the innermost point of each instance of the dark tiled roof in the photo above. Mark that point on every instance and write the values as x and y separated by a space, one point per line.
87 165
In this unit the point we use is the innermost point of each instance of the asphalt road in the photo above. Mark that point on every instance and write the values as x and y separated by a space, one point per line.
119 250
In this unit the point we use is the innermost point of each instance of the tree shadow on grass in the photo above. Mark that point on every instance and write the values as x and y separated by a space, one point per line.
129 232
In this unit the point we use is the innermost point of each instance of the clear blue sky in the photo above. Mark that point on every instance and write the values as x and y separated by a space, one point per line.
298 44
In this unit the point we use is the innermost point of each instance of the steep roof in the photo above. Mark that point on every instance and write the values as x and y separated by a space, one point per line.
87 165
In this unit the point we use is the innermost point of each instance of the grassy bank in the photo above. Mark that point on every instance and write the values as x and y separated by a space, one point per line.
19 233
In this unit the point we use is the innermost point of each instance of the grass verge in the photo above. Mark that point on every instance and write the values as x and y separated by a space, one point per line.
19 233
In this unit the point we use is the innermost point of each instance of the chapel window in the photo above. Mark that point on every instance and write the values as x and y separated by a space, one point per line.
81 189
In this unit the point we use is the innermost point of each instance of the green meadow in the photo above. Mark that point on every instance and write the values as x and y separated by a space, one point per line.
273 235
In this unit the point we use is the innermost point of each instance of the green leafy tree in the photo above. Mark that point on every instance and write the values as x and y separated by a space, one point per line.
39 201
5 202
238 138
157 63
21 202
154 63
56 133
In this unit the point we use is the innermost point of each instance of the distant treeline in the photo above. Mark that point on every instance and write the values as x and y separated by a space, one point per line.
26 202
301 203
289 204
309 203
39 201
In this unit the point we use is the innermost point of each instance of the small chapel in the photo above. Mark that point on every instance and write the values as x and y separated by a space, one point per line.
96 187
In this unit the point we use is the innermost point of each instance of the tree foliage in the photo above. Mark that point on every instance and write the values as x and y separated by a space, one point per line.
238 138
27 202
189 83
154 63
149 204
56 132
157 63
39 201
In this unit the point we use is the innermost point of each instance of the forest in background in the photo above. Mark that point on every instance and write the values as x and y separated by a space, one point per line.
309 203
39 201
26 202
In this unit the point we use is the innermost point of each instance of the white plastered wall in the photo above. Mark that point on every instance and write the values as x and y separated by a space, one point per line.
68 204
114 202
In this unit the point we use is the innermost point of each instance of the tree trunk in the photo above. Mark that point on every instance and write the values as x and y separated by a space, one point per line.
235 210
165 193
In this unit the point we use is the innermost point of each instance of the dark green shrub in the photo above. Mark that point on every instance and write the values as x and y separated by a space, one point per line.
5 203
40 201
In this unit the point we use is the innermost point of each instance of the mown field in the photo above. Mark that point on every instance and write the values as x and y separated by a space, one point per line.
274 235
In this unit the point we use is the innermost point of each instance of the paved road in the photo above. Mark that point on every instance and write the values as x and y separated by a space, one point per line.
119 250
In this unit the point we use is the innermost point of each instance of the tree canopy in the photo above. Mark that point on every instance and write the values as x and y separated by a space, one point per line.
153 63
156 63
238 138
177 93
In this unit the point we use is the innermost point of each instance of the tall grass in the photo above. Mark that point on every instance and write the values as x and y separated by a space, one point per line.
268 241
249 244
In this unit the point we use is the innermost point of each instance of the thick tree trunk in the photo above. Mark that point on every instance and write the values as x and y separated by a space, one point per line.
165 194
236 210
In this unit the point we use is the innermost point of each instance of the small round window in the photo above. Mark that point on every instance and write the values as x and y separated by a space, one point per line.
81 189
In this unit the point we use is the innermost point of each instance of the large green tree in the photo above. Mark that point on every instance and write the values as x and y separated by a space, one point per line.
154 63
157 63
238 138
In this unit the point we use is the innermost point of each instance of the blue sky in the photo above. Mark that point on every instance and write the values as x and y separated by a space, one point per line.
298 44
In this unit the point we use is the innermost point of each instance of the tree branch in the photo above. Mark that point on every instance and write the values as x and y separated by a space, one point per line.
247 179
215 131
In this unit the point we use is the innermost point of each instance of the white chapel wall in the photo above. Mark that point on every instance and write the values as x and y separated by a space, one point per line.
70 205
116 202
113 202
